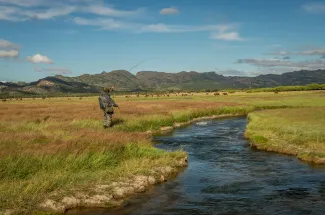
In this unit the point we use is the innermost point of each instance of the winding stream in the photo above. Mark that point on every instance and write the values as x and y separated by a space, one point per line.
226 176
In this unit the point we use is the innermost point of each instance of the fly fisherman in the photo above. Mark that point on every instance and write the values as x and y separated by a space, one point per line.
106 103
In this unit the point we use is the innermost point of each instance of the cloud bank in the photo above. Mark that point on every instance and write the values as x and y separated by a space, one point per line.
8 49
219 32
23 10
311 52
5 44
9 54
279 66
97 13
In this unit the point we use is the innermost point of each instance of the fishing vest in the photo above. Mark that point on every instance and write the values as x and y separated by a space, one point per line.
106 103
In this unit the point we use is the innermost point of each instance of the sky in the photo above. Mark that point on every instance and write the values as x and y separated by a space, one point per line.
40 38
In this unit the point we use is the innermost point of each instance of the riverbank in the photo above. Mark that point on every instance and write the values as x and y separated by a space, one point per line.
298 132
110 194
50 151
53 150
227 176
117 192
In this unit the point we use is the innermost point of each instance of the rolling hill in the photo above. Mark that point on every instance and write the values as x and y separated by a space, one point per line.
151 80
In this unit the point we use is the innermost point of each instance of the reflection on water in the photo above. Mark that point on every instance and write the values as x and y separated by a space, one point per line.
226 176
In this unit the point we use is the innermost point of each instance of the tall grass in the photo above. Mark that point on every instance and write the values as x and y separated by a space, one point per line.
60 144
25 179
297 131
155 122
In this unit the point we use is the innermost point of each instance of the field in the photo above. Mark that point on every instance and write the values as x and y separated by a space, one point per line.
59 143
298 132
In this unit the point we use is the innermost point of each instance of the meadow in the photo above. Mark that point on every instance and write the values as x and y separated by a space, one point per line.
60 144
297 132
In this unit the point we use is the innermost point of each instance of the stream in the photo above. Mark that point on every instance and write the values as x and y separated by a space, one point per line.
227 177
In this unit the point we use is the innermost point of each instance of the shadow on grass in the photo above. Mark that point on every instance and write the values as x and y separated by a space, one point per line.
117 122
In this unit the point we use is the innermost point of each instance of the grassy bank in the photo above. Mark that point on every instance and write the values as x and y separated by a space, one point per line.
26 179
297 132
60 144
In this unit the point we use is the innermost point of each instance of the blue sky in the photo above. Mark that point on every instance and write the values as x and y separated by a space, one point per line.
39 38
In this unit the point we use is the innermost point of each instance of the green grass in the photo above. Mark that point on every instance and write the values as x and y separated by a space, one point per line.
155 122
25 179
146 123
297 131
289 88
40 154
294 99
298 98
87 123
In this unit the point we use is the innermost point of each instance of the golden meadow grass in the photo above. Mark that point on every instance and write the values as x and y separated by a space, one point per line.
298 131
59 143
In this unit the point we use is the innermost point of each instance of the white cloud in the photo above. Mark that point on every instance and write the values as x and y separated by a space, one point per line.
313 52
8 49
107 11
157 28
229 36
112 24
50 13
108 24
280 53
314 7
9 53
48 3
5 44
281 64
23 10
264 62
316 51
24 3
38 58
104 23
169 11
10 14
160 27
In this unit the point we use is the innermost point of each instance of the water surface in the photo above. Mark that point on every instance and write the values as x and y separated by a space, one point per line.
226 176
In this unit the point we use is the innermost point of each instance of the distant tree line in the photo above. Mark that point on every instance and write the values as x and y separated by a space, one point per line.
289 88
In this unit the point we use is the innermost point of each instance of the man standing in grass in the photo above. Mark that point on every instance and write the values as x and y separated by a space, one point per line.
106 103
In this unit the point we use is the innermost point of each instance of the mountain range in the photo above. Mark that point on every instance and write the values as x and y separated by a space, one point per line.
156 81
